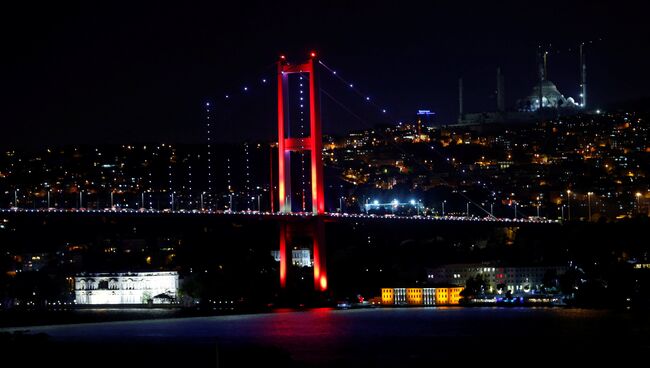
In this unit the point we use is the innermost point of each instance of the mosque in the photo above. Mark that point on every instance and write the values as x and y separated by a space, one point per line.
544 100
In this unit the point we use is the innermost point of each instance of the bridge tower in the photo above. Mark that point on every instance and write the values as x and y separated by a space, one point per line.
314 144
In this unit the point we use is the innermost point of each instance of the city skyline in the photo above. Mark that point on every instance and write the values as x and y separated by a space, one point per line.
525 170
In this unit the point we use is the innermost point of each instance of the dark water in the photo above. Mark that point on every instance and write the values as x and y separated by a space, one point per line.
375 337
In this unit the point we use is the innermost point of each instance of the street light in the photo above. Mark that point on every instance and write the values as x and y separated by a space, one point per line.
443 208
589 204
638 202
412 203
515 203
467 215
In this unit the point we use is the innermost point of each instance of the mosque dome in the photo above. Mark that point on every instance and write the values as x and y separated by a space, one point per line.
551 98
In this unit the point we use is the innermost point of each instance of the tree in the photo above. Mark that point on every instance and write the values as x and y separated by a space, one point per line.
474 286
146 297
550 281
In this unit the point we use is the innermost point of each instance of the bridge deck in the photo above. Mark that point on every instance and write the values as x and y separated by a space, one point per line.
278 215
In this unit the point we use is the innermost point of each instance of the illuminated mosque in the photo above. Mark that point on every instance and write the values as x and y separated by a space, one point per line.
551 98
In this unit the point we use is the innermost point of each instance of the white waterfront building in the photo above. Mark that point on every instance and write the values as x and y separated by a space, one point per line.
126 287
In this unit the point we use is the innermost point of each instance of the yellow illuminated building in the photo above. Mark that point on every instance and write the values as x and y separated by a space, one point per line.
387 296
454 294
442 295
421 296
414 296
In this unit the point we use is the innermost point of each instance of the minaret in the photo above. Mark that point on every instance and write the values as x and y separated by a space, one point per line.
583 78
501 105
542 77
545 65
460 100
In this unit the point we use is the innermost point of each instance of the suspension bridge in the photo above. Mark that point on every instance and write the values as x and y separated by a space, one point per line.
300 191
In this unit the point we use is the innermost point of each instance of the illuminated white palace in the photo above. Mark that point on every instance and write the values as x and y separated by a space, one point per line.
126 287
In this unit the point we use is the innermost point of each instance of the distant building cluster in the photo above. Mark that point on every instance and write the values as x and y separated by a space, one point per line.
497 278
145 176
585 166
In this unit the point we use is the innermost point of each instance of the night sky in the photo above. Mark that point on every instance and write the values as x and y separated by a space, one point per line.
116 73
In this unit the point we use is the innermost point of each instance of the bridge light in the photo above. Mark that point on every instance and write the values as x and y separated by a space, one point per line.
375 202
412 201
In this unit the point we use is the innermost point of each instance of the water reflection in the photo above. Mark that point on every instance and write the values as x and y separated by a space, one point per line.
384 337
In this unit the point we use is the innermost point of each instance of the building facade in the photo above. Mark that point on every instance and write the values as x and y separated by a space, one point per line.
299 257
514 279
126 287
421 296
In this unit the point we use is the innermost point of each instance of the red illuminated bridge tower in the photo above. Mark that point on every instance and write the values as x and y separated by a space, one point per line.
313 143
